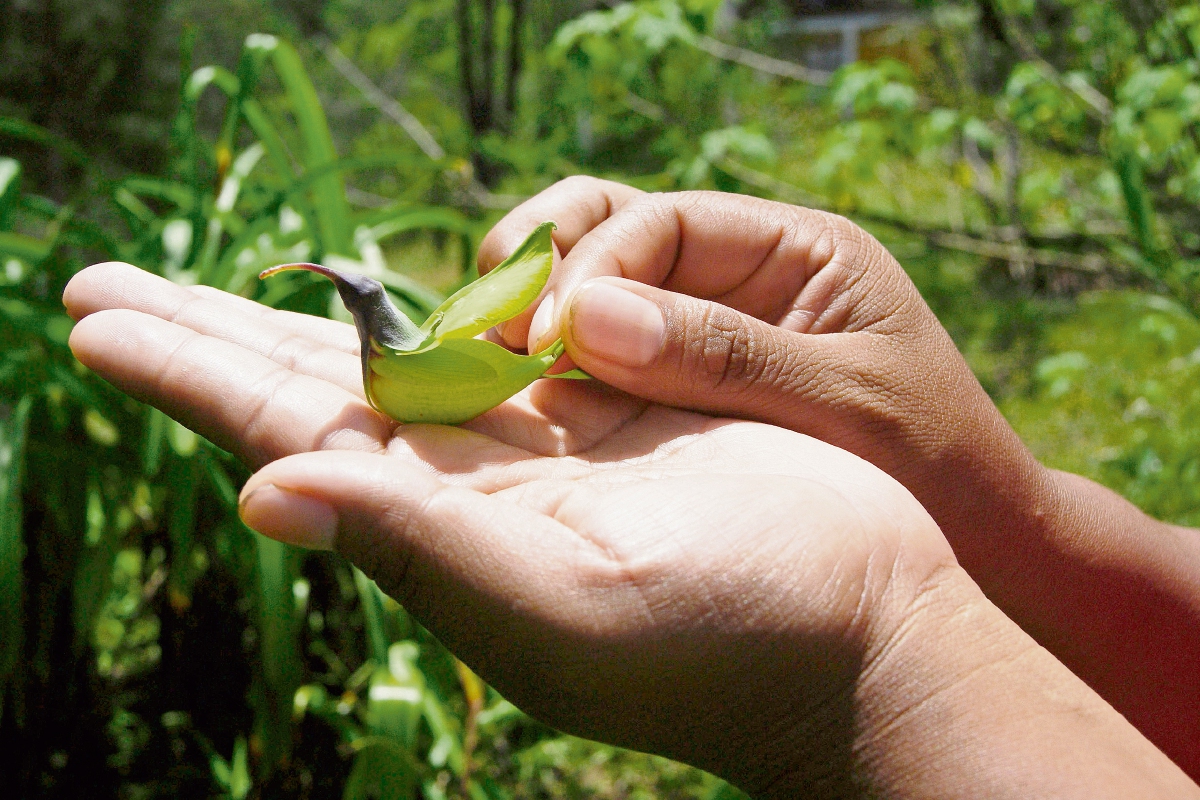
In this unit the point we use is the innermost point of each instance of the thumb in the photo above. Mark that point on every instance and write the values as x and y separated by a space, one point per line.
683 351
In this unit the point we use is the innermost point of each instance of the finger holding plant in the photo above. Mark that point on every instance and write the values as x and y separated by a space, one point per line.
738 306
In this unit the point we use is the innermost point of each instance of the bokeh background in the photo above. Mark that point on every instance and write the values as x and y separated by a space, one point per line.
1032 163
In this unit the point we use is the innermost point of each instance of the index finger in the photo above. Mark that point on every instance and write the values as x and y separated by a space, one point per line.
756 256
576 205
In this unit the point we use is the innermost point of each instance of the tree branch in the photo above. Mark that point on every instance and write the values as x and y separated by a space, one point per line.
474 191
398 113
761 63
1012 252
754 60
1099 106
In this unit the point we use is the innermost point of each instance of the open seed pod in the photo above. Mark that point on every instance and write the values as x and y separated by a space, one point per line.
438 372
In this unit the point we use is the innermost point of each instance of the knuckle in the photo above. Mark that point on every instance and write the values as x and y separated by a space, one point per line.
727 351
578 182
489 254
653 218
649 209
859 250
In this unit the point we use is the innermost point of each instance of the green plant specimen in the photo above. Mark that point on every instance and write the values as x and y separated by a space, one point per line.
438 372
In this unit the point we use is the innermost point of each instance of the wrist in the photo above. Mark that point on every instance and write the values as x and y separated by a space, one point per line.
925 644
987 492
1089 576
956 701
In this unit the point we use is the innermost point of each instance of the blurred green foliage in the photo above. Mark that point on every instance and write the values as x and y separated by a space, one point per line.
1034 165
1117 400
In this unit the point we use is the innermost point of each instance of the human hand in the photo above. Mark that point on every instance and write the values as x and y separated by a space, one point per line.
770 312
738 306
738 596
612 566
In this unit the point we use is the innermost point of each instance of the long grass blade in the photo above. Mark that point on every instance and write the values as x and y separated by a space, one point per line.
184 479
1139 206
154 437
223 214
278 631
28 131
94 569
269 136
180 194
382 770
25 248
329 192
13 431
371 599
10 189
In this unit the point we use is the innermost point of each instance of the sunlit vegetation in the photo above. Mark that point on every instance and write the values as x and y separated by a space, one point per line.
1034 164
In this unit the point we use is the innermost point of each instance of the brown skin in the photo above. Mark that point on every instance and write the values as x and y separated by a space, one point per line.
800 319
737 595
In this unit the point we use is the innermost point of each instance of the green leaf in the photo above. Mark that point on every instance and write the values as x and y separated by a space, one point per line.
28 131
94 568
572 375
218 222
447 749
501 294
239 775
233 776
371 600
395 699
24 247
279 632
219 480
13 431
184 478
184 441
329 193
100 429
181 195
382 771
10 188
204 77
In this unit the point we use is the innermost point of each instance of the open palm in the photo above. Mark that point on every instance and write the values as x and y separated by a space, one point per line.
611 565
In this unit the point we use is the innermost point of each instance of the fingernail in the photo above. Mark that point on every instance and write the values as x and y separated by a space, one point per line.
539 326
289 517
616 324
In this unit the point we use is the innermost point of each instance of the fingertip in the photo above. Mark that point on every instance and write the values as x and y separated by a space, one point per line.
83 292
117 341
492 245
543 324
84 335
612 319
290 517
332 499
500 242
337 476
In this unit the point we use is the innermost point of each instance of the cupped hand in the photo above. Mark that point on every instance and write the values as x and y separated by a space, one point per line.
708 589
743 307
